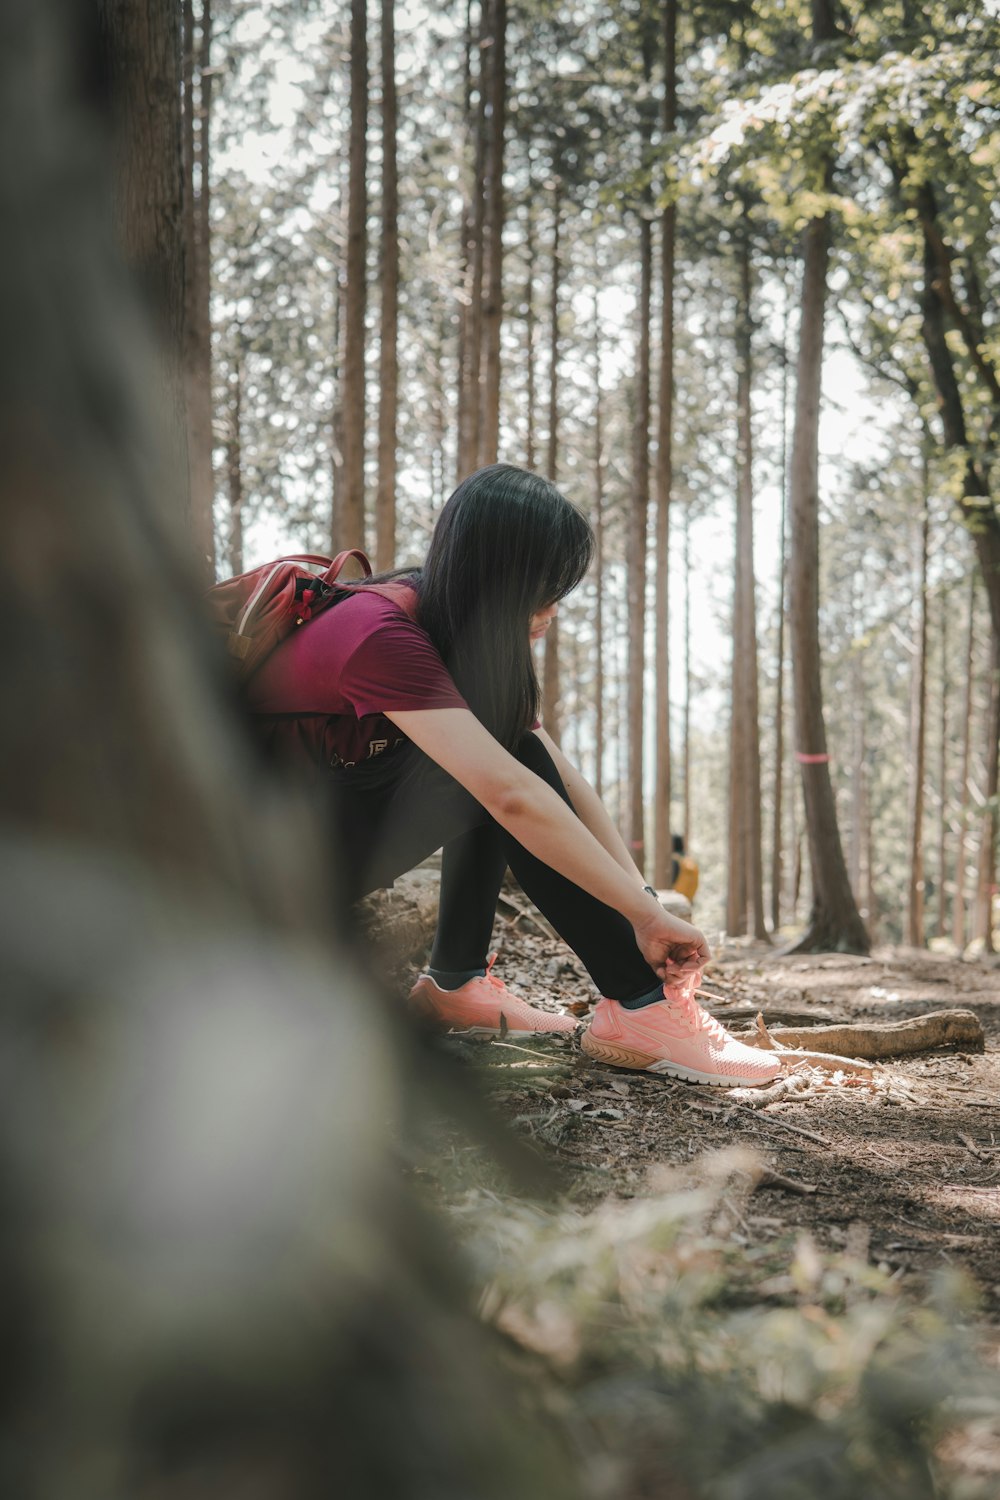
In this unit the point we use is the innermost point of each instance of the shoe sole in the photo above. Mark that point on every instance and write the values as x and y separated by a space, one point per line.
643 1062
515 1036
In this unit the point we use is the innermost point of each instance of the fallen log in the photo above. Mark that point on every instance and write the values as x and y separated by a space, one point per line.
874 1040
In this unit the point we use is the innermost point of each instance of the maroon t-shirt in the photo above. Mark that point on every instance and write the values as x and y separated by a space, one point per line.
322 695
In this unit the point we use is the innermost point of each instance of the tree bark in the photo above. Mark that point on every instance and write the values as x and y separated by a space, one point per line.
388 366
918 739
598 550
489 422
142 56
639 506
687 676
777 830
834 921
987 873
349 522
662 832
469 398
198 279
551 692
529 331
745 799
234 470
958 931
942 849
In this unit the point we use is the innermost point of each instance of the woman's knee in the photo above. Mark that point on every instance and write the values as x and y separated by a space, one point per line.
530 751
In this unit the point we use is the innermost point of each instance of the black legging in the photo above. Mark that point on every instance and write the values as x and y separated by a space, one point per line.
391 814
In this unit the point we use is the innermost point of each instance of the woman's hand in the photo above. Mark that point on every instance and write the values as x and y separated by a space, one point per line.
669 945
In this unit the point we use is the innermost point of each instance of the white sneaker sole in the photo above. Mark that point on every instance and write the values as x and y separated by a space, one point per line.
641 1062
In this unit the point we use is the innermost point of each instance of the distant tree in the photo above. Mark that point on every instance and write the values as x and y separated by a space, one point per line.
388 368
349 516
197 118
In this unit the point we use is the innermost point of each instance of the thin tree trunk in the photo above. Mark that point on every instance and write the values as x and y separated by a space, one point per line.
959 929
388 365
662 833
858 754
234 469
598 551
198 277
834 921
469 397
489 422
529 331
349 523
777 857
639 507
746 746
942 904
550 679
987 873
687 676
918 739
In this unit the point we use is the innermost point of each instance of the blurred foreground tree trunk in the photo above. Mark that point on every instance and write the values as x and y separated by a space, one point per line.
202 1118
140 50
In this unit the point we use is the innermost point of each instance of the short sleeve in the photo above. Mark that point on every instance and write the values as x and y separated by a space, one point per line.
397 667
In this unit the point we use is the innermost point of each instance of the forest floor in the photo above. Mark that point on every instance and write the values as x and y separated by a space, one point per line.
903 1173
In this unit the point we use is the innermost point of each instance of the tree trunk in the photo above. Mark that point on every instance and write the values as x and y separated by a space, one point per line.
529 331
349 522
598 551
489 422
388 363
550 675
142 56
918 741
958 931
987 874
662 832
639 506
234 470
777 832
198 278
942 862
745 802
834 921
471 325
975 502
687 676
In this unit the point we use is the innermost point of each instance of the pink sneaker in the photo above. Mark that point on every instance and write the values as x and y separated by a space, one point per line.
677 1037
477 1006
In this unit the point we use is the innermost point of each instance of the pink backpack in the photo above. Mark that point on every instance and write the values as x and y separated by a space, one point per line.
257 610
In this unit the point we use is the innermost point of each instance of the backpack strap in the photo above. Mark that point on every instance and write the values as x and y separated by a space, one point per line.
335 569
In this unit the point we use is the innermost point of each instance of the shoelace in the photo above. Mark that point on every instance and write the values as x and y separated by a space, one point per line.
695 1016
497 984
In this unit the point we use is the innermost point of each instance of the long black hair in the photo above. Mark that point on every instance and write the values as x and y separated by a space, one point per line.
506 544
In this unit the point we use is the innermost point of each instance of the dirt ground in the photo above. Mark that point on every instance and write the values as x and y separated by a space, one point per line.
907 1174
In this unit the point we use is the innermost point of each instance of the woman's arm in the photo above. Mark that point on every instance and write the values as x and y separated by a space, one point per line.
590 809
540 820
